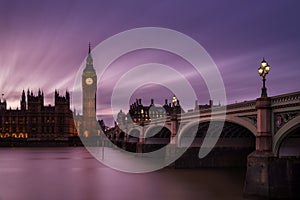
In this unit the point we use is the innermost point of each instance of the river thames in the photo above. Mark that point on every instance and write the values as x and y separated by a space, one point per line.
72 173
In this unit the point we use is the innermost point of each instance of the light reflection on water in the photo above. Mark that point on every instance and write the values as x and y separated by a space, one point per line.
71 173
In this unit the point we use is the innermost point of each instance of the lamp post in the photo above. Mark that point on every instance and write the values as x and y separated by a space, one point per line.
174 120
263 70
174 101
260 163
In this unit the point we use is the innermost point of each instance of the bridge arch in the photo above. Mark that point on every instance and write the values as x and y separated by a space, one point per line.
204 124
151 128
231 149
236 120
284 132
156 137
134 133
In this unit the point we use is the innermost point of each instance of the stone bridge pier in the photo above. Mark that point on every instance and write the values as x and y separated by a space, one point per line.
269 176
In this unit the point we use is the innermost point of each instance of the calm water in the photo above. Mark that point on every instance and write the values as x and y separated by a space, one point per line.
71 173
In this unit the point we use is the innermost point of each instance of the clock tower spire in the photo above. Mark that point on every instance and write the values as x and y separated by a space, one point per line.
89 89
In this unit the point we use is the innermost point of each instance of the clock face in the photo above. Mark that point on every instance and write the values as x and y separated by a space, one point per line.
89 81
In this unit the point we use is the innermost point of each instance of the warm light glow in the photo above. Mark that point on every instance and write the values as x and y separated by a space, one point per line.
263 63
264 69
89 81
174 99
86 133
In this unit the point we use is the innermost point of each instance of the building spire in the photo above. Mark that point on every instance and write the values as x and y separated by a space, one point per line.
23 95
89 59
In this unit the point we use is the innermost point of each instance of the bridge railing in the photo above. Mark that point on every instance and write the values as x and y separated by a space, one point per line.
243 105
275 100
286 98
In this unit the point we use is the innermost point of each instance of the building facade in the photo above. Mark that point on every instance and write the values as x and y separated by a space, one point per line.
142 114
89 96
34 120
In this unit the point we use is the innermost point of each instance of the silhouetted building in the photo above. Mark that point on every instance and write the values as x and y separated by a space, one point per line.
140 114
35 120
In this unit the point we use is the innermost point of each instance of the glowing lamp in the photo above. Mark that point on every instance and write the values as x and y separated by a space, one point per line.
263 63
174 99
263 70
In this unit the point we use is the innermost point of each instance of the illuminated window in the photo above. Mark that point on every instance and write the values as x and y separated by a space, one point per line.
86 133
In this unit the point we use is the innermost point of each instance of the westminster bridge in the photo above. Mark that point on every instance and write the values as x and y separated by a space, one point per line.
240 124
269 127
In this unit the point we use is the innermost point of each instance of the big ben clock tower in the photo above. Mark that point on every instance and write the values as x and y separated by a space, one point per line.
89 89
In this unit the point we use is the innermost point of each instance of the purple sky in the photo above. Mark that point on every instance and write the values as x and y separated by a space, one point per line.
43 43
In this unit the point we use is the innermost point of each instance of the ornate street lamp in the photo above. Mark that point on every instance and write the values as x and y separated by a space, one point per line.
263 70
174 100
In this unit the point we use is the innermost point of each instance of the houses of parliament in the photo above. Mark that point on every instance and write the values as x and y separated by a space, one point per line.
36 121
